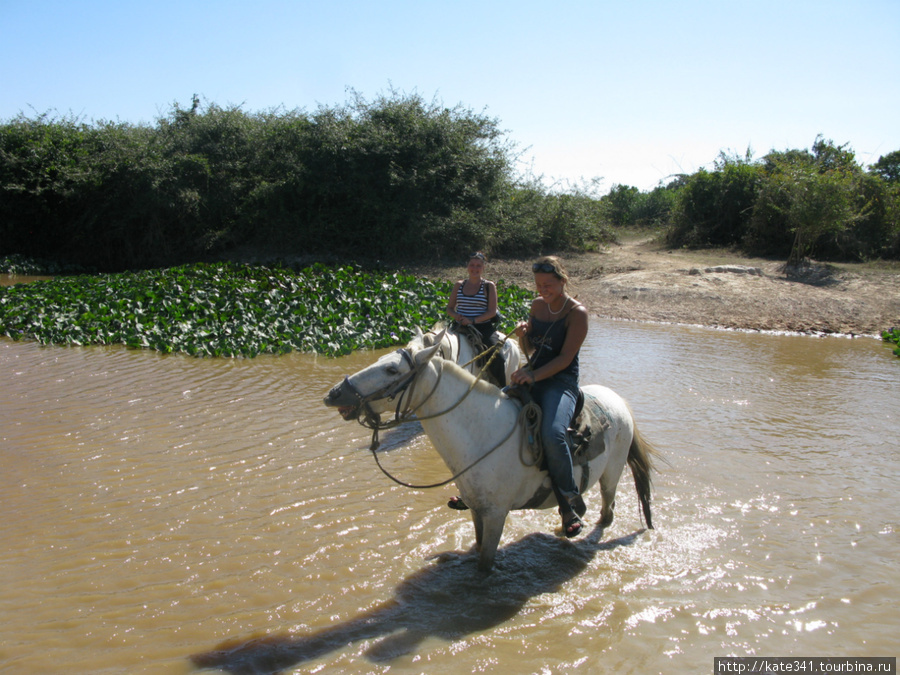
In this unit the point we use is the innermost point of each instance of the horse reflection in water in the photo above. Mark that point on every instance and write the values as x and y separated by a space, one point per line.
480 435
445 601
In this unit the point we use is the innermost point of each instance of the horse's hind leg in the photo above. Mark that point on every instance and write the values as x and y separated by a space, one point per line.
608 485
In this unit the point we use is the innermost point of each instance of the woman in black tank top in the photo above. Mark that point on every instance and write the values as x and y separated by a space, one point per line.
552 338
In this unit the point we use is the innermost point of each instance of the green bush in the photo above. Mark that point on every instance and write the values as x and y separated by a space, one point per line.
793 204
819 203
892 335
533 219
654 208
620 205
625 206
394 178
714 208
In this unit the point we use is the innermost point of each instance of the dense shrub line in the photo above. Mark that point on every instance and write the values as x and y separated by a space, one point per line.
393 178
793 204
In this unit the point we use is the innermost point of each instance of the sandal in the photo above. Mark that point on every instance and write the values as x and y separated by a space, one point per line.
578 505
572 526
458 504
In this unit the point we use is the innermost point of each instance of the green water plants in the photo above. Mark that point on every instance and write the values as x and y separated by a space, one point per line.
230 309
892 335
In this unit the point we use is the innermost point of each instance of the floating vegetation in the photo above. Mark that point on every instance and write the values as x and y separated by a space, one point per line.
892 335
24 265
230 309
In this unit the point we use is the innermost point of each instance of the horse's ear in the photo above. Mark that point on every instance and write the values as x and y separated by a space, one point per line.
423 356
418 332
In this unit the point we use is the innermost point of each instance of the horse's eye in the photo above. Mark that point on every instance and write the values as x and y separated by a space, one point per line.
393 370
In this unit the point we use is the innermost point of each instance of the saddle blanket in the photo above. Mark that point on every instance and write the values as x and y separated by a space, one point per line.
585 443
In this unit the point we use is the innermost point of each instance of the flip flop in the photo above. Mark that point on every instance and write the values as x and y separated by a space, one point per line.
458 504
572 522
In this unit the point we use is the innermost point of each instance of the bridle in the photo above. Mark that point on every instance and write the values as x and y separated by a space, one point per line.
397 389
371 419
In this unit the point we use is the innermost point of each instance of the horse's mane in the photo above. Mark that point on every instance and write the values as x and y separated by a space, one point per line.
481 386
428 340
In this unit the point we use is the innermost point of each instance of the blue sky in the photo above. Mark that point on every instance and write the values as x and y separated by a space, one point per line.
631 92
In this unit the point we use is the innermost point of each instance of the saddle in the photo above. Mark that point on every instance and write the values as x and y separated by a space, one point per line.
588 421
582 427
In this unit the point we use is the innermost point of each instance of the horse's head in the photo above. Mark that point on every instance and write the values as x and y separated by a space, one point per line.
373 390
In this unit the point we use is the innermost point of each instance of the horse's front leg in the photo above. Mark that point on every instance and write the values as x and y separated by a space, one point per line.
488 529
478 522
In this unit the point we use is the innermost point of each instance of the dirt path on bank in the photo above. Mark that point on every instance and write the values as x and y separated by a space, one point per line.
641 280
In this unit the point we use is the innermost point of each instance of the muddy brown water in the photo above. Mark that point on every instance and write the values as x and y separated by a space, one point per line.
156 508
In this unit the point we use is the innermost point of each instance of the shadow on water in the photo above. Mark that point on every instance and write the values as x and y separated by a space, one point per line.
448 600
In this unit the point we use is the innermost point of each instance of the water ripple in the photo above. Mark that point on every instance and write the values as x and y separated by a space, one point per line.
156 506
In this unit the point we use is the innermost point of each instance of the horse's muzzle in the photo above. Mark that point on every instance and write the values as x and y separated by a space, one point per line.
344 400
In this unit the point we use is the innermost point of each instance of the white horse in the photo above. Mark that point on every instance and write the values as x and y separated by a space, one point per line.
477 431
458 348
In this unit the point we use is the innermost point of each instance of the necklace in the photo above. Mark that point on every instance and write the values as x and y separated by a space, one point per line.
565 302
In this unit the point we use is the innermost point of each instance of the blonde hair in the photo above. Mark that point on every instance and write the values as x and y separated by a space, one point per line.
558 271
554 262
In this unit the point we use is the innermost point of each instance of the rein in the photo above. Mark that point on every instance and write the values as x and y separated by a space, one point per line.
493 350
375 444
406 384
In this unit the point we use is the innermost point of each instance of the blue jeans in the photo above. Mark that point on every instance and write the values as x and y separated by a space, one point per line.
557 396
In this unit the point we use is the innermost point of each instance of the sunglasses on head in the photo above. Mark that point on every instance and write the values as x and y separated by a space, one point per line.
545 267
479 256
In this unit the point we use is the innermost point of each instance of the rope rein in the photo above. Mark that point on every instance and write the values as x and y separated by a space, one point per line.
529 417
375 443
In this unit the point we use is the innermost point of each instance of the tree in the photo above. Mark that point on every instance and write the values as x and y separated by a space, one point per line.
888 167
831 157
713 208
620 205
819 204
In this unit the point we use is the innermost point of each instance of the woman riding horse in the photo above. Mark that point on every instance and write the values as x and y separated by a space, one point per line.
552 338
473 302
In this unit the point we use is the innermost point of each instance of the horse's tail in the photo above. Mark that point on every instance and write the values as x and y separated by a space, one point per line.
640 459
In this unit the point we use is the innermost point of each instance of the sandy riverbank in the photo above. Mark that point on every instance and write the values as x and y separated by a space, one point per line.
642 280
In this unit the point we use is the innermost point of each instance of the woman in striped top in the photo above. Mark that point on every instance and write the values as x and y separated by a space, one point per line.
473 301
